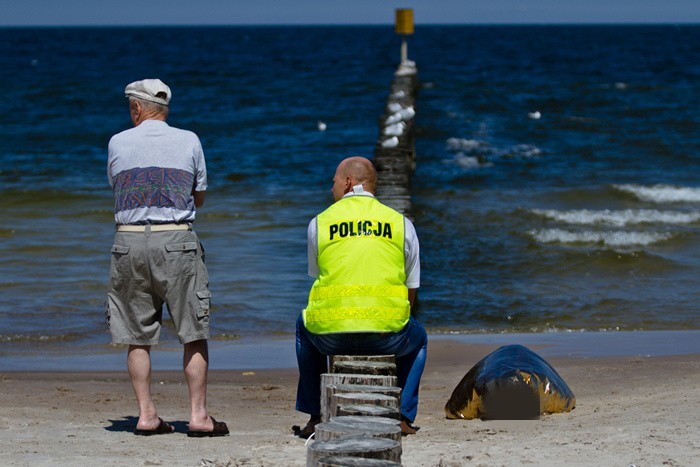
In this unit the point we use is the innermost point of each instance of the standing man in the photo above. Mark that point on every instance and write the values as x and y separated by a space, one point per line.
158 176
365 258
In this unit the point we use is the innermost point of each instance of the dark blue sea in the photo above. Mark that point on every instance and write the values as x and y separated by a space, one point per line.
557 186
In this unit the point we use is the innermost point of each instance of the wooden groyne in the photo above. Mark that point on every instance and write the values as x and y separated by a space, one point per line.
360 402
395 152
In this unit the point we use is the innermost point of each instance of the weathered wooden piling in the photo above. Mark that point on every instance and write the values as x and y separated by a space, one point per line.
357 426
338 461
358 407
331 389
355 446
360 403
330 382
368 410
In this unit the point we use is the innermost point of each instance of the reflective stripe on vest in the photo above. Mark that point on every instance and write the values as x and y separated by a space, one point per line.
361 283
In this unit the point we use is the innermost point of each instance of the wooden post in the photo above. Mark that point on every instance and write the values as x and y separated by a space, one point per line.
340 461
358 426
368 411
339 400
372 448
395 152
330 390
364 368
404 27
330 381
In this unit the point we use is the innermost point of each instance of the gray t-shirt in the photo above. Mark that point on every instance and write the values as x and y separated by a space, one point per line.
153 169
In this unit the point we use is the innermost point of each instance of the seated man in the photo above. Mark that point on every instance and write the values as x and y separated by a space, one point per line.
365 258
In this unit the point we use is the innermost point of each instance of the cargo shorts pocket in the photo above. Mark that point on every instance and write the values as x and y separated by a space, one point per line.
120 262
108 313
203 305
181 258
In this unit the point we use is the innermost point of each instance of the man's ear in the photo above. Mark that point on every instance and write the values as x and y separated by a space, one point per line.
135 111
348 184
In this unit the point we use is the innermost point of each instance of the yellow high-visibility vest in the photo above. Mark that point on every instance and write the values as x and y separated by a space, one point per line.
361 286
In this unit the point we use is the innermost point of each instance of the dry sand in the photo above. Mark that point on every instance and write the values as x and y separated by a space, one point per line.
630 411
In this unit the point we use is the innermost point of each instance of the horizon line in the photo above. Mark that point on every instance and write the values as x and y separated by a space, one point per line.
385 24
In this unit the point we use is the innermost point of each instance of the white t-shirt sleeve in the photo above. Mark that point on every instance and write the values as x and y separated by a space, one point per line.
200 168
110 156
312 248
412 254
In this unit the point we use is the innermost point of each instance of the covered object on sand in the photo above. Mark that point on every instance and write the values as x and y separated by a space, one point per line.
511 383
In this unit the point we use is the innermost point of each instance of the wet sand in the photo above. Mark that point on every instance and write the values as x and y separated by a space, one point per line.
631 409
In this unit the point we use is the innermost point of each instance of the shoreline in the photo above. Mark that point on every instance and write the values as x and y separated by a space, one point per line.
279 353
630 410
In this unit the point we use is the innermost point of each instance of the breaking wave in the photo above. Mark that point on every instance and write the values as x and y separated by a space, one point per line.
473 153
611 239
619 218
661 193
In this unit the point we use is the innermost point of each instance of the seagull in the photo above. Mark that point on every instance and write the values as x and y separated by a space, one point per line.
403 114
393 118
391 142
394 107
321 126
407 113
395 130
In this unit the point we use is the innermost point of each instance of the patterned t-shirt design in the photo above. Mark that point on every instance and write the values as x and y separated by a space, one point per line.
143 187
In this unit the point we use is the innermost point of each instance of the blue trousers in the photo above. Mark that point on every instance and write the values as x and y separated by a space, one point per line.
408 345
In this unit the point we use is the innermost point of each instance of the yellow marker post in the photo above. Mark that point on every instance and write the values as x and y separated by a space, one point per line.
404 27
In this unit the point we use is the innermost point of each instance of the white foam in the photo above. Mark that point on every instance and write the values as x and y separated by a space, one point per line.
662 193
467 162
619 218
460 144
524 151
613 239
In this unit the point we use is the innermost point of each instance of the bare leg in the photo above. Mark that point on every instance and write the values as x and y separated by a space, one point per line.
196 364
139 364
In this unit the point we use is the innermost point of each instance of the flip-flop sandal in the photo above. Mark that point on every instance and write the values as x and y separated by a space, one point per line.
163 428
308 430
220 429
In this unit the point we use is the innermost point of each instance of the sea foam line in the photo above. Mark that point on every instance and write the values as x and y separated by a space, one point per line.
613 239
483 148
661 193
619 218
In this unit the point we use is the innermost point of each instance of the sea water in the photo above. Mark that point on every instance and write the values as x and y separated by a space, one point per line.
556 185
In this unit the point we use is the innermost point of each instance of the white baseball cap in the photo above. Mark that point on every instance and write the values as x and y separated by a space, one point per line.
153 90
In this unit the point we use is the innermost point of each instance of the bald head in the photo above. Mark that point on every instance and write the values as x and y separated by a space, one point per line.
354 171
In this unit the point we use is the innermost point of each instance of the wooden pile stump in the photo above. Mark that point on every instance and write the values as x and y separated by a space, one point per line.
354 446
355 462
360 410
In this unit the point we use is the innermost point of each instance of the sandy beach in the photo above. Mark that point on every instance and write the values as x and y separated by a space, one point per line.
636 410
